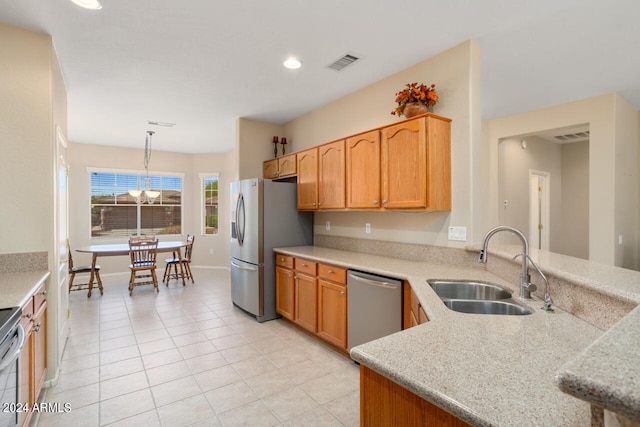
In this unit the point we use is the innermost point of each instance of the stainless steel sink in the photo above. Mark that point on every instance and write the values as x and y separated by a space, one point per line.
468 290
486 307
477 297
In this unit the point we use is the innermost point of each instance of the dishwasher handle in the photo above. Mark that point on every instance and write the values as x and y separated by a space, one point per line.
379 283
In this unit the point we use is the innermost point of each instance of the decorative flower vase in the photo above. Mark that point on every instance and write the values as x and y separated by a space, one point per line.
414 108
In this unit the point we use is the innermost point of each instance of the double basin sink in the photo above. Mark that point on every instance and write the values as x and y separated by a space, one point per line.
469 296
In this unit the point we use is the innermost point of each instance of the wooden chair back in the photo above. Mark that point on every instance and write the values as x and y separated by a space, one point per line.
143 254
189 248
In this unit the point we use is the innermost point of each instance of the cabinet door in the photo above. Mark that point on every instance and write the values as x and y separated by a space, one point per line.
270 169
332 312
305 294
363 171
308 179
39 348
404 165
24 367
287 166
331 171
284 292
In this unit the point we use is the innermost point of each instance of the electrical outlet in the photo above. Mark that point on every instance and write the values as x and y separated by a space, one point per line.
367 228
327 225
458 234
210 251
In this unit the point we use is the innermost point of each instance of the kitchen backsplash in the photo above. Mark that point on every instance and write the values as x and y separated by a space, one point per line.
408 251
24 261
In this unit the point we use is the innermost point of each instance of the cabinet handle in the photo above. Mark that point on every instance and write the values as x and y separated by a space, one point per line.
289 276
303 264
375 202
329 271
36 328
384 202
314 203
28 316
43 292
341 293
281 259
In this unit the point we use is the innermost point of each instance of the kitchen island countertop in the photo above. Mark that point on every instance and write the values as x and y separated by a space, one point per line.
488 370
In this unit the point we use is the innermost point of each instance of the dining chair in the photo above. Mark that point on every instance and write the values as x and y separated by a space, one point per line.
85 269
142 238
143 264
175 261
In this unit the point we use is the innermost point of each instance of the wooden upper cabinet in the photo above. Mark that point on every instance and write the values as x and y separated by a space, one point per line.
308 179
331 171
416 164
287 166
270 169
363 171
282 167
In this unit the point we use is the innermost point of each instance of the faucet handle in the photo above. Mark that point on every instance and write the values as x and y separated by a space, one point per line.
531 287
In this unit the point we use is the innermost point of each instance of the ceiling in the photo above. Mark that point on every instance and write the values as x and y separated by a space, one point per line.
202 64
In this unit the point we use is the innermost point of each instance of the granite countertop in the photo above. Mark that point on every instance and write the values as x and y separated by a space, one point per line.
607 373
487 370
18 287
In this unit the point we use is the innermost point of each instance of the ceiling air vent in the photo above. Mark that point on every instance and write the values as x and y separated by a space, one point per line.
572 136
343 62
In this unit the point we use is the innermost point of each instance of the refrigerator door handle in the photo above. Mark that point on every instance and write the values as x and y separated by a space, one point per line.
243 268
240 229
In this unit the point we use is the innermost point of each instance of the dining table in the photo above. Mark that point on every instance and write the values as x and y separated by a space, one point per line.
120 249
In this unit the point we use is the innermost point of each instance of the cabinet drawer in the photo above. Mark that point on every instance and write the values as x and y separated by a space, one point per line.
284 261
27 313
305 266
40 297
330 272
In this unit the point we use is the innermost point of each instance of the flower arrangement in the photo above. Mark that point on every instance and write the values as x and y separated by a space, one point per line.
414 92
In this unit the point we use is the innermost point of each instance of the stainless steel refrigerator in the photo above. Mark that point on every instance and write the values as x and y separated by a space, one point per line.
264 216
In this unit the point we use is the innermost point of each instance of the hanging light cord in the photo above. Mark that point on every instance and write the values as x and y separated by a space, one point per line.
147 150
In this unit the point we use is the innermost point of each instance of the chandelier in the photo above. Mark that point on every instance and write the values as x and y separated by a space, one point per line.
147 195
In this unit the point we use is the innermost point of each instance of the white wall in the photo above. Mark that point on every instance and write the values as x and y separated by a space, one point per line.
26 141
514 165
574 231
611 130
83 156
254 146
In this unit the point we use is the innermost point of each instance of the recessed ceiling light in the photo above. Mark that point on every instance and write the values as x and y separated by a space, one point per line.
88 4
292 63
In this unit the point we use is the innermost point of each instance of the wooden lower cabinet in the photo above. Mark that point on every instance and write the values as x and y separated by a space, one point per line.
306 301
32 363
284 292
332 312
314 296
413 313
385 403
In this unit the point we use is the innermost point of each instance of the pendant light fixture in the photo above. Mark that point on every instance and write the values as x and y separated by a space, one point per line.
147 195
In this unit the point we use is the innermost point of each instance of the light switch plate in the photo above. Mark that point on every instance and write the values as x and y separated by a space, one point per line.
458 234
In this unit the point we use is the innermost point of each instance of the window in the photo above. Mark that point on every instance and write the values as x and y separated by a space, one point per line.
210 203
115 213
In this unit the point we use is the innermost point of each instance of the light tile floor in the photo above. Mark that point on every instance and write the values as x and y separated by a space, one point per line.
188 357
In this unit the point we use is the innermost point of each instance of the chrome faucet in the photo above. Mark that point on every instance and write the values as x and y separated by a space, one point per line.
526 287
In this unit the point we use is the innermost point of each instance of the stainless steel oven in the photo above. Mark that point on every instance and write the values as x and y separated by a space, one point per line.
11 343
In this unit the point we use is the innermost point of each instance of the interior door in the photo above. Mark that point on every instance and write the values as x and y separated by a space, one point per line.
539 210
62 237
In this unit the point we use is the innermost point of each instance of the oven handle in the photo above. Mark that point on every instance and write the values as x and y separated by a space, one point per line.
10 359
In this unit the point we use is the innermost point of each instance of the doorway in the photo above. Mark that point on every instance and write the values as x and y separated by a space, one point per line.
539 209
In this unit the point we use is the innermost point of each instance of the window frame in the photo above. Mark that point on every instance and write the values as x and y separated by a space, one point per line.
203 206
140 175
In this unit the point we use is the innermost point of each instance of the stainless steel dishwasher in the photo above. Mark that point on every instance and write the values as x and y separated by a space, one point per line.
374 307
